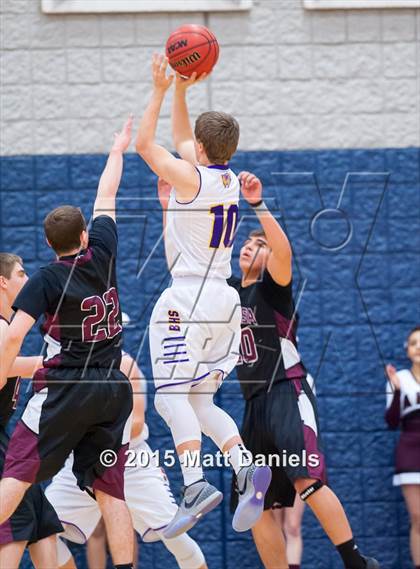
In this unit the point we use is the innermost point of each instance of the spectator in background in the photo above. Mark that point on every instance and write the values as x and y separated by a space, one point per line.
403 410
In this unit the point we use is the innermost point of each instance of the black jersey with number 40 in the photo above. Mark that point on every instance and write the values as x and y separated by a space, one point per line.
268 344
78 296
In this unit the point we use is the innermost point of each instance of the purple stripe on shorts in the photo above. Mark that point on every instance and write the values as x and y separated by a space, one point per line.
173 338
190 380
22 457
68 536
173 346
174 354
176 361
6 533
112 480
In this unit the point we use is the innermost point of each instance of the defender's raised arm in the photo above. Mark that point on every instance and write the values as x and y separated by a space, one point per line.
111 176
279 263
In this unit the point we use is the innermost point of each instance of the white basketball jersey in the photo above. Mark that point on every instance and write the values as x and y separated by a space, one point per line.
409 393
199 234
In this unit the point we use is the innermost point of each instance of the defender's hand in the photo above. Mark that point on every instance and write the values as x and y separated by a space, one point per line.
251 187
182 83
161 81
164 192
393 377
122 139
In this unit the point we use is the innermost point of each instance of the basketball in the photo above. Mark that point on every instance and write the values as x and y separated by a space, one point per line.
192 48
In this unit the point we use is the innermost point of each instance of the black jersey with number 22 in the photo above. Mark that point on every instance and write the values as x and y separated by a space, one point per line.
78 296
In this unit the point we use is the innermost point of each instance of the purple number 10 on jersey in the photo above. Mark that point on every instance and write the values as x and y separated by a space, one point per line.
224 225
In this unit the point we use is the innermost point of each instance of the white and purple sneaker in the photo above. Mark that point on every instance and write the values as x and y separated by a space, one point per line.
197 500
253 482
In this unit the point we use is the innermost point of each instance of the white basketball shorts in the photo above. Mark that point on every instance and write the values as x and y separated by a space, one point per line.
147 493
195 329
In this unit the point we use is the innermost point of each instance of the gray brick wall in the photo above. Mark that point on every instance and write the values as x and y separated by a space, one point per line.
295 79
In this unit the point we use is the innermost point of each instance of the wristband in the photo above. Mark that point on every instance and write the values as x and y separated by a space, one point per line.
255 205
260 209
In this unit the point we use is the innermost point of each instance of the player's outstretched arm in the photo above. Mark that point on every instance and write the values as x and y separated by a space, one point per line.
279 263
12 342
132 371
26 366
182 133
111 176
179 173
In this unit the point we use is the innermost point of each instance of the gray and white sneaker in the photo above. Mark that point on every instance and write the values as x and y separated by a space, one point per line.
253 482
198 499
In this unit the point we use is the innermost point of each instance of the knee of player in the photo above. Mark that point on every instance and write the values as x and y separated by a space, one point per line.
162 407
292 528
186 551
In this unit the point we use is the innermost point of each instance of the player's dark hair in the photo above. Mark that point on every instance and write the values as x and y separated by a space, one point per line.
412 331
219 134
63 227
7 264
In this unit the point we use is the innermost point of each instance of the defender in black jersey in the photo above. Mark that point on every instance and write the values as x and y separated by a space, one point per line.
281 417
81 400
34 522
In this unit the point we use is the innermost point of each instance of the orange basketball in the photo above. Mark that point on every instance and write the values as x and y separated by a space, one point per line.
192 48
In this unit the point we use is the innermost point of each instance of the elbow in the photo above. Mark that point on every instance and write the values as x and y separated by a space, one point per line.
136 428
142 147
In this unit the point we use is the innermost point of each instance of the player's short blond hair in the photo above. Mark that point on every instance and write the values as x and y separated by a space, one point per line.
219 134
7 264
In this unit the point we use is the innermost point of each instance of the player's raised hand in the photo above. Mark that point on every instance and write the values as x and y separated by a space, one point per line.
393 377
122 139
182 83
251 187
164 191
161 81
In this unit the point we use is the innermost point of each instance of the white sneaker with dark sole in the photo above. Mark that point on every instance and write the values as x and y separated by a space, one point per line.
253 482
197 500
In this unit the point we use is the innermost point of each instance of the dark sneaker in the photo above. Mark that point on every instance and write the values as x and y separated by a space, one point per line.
371 563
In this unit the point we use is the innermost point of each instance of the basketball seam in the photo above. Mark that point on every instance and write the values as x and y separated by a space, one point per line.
207 42
192 68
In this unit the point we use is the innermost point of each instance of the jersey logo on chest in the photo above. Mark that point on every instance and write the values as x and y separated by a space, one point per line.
248 316
226 179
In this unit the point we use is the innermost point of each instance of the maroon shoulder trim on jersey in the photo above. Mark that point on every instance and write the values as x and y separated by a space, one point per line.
79 259
3 318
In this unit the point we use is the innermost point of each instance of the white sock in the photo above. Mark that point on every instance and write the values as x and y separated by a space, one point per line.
190 462
239 456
